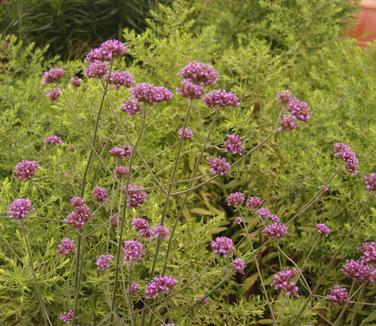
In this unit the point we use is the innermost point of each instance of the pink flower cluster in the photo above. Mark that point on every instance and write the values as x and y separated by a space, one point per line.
359 270
369 252
107 51
134 287
53 94
221 98
20 208
80 215
199 73
239 265
75 82
299 109
150 94
53 140
122 153
287 122
121 171
238 220
323 229
159 285
96 69
136 196
67 316
100 194
282 281
190 90
52 76
121 78
114 220
370 181
161 232
142 226
131 106
264 213
234 144
284 96
339 295
254 202
103 262
219 166
66 246
277 230
25 170
185 133
222 246
235 199
347 155
133 250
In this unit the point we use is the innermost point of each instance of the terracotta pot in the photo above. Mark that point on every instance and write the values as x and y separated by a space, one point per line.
364 30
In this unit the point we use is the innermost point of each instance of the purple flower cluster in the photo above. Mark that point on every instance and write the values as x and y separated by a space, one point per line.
107 51
264 213
96 69
133 250
121 78
235 199
239 265
136 196
100 194
284 96
121 171
131 106
53 140
75 82
53 94
347 155
222 246
149 93
142 226
114 220
25 170
358 270
370 181
199 73
219 166
103 262
277 230
80 215
254 202
159 285
185 133
323 229
234 144
122 153
299 109
287 122
161 232
66 246
134 287
238 220
67 316
221 98
282 281
338 295
20 208
190 90
52 76
369 252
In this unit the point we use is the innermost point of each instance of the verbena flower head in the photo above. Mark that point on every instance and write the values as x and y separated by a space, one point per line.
235 199
299 109
76 201
122 153
282 281
284 96
150 94
114 220
264 213
67 316
121 78
219 166
52 76
325 189
25 170
96 69
103 262
136 196
20 208
357 270
66 246
254 202
140 223
221 98
239 265
107 51
287 122
131 106
234 144
199 73
238 220
370 181
159 285
134 287
339 295
185 133
133 250
277 230
121 171
79 216
222 246
161 232
190 90
100 194
369 252
348 156
323 229
53 140
53 94
76 82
